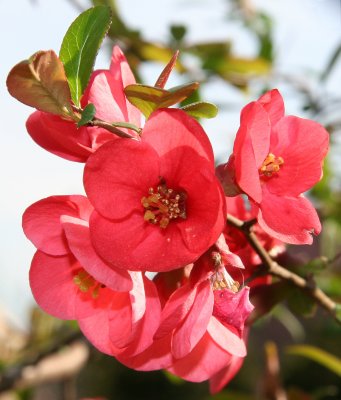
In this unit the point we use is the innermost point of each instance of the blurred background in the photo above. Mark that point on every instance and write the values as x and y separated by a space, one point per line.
237 49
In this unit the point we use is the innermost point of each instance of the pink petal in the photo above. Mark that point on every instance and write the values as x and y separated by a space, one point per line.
52 285
98 337
41 221
118 175
289 219
134 244
205 360
226 337
273 104
175 310
59 136
120 320
167 129
148 323
191 330
78 237
224 376
302 144
250 148
155 357
232 309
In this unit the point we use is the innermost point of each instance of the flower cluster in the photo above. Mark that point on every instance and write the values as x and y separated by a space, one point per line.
146 262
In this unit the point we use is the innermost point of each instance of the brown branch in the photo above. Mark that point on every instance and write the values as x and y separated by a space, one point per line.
274 269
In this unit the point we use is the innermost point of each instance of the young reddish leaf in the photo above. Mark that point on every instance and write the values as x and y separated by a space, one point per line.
148 98
40 82
80 45
179 93
163 78
87 115
201 110
145 98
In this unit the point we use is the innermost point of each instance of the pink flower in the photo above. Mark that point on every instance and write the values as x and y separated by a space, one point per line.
158 205
70 281
105 91
275 159
202 328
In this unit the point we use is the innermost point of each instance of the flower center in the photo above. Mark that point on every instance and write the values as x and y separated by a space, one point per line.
87 284
221 279
271 165
164 204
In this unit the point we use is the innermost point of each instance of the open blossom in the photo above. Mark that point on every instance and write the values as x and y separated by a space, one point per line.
275 159
106 91
201 334
158 205
70 281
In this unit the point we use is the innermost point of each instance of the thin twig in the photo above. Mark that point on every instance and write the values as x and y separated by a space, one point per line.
274 269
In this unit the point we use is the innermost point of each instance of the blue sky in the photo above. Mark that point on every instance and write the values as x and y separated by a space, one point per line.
306 33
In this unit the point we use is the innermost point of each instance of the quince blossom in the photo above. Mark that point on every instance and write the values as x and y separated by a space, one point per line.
158 205
201 334
275 159
70 281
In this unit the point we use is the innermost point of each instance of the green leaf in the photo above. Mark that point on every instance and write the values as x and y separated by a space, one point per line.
315 265
80 46
87 115
40 82
300 303
320 356
178 32
201 110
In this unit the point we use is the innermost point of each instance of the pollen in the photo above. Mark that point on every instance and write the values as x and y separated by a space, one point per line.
271 165
221 279
87 284
163 205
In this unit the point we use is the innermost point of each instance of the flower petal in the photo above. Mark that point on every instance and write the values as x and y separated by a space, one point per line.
59 136
224 376
251 148
41 221
167 129
78 237
226 337
106 91
175 310
273 104
205 360
290 219
118 175
53 287
191 330
302 144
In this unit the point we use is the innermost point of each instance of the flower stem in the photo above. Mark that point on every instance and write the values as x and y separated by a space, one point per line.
274 269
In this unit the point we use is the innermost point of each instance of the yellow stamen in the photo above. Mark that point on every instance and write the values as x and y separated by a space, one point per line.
163 205
271 165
